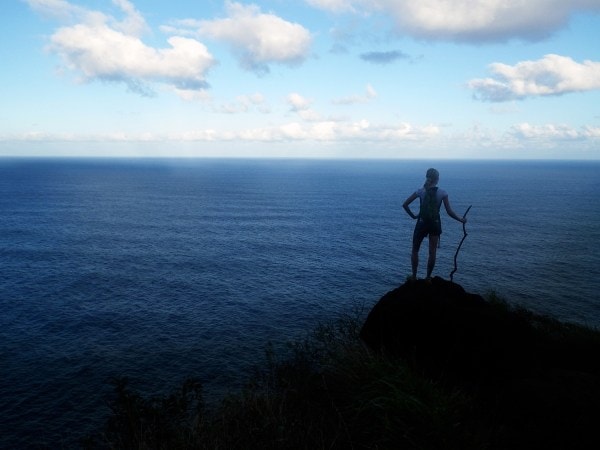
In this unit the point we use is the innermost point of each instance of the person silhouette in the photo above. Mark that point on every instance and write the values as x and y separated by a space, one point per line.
428 219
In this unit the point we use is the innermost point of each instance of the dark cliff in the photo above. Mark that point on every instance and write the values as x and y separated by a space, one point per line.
539 378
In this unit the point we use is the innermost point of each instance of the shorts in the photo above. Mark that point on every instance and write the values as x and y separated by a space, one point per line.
423 229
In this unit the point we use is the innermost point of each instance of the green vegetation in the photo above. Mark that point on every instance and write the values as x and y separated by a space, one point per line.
329 391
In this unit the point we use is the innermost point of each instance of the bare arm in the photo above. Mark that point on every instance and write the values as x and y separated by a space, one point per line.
451 212
406 204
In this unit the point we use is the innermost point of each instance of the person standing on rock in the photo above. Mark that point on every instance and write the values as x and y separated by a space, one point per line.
428 220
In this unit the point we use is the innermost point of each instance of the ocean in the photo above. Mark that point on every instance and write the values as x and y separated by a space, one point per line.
158 269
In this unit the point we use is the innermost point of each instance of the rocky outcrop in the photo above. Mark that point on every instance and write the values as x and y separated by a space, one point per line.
539 378
447 331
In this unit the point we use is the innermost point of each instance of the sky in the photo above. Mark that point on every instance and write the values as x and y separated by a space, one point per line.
450 79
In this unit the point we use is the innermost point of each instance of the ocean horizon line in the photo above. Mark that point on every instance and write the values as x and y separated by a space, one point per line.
287 158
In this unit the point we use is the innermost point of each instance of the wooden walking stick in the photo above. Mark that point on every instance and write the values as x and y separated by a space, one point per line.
461 243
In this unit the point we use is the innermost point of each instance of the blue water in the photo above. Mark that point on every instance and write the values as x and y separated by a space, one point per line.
162 269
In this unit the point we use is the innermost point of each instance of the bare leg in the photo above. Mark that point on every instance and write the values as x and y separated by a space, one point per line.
414 256
418 236
414 259
433 243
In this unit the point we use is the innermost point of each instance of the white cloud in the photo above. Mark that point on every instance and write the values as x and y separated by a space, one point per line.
134 23
554 132
337 131
469 20
551 75
100 47
369 95
298 102
58 9
477 141
591 132
99 52
302 106
259 39
323 131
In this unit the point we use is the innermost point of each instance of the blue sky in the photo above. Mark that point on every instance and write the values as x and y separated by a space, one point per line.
305 78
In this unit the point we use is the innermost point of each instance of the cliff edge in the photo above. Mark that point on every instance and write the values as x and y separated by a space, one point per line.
538 377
